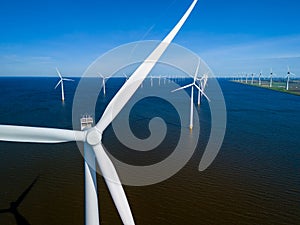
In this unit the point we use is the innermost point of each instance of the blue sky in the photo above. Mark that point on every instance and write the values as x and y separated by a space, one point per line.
231 36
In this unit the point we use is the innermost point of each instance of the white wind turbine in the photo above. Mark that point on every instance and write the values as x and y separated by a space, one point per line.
151 80
92 137
61 83
271 78
252 78
192 85
259 78
202 85
246 78
103 82
125 75
288 78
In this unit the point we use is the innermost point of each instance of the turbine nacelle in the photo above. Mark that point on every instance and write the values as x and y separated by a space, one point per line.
93 136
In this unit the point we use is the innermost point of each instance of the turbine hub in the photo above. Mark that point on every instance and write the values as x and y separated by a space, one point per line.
93 137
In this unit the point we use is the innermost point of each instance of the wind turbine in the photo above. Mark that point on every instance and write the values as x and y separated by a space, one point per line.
192 85
252 78
125 75
13 209
271 78
246 78
288 78
259 78
92 137
202 85
61 83
103 82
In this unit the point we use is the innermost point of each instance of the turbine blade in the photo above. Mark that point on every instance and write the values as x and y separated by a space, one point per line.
39 135
135 80
101 75
186 86
67 79
114 184
24 194
58 84
202 92
197 69
58 73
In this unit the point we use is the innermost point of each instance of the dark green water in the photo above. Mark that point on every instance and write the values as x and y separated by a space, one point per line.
255 178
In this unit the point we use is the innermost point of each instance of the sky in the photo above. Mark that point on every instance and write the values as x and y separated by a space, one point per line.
232 36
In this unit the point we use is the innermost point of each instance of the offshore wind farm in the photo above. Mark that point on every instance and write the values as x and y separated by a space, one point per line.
130 131
257 172
288 83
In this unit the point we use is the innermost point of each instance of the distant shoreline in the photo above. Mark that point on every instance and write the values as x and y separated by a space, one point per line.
278 89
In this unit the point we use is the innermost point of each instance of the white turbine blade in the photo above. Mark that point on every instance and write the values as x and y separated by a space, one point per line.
202 78
114 184
202 92
135 80
101 75
58 73
58 84
184 87
293 74
39 134
197 69
67 79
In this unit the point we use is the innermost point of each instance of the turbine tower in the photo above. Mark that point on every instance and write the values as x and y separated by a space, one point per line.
151 80
192 85
288 78
252 78
92 136
61 83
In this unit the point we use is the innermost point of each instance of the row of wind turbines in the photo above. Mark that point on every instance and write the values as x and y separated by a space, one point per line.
105 78
246 79
198 82
92 136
